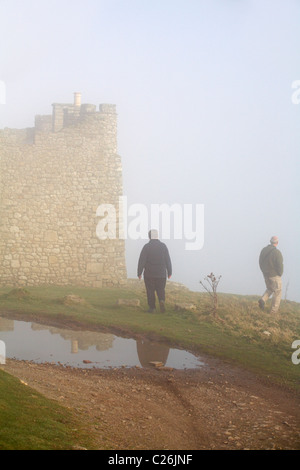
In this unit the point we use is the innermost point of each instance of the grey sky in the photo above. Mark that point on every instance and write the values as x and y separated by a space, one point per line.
205 114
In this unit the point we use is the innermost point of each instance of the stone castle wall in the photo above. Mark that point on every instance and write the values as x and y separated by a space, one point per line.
52 179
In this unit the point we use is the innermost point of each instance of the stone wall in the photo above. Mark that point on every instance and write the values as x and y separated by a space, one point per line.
52 179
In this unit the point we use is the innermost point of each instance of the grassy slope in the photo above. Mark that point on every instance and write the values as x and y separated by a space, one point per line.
31 422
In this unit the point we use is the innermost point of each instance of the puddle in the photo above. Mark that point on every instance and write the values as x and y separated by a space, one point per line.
87 349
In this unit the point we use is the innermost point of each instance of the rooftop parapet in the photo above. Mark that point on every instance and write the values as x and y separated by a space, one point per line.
66 114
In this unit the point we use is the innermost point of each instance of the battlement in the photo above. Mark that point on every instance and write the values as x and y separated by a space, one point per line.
82 117
71 114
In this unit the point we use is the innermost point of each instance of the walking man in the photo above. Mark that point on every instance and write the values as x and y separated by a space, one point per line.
271 265
156 264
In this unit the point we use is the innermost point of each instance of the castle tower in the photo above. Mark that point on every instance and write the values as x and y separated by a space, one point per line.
53 177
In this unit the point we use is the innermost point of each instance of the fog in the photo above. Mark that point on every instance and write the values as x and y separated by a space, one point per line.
208 113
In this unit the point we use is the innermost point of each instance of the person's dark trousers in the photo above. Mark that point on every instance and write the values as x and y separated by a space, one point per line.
155 284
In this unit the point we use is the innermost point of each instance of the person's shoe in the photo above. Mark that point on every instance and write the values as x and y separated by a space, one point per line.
261 304
162 306
151 310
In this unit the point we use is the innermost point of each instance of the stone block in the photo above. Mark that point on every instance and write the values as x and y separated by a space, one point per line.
94 268
129 302
51 236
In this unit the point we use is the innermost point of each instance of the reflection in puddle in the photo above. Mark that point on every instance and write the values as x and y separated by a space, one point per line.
40 343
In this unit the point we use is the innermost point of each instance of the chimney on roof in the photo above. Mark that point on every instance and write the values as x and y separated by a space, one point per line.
77 99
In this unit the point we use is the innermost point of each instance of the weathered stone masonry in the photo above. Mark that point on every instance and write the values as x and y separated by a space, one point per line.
52 179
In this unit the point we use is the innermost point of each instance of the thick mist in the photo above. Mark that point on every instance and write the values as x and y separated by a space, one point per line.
208 104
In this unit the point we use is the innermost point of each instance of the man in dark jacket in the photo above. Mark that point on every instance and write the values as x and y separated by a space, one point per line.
271 265
155 262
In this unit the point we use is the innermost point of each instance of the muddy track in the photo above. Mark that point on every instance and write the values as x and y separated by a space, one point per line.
216 407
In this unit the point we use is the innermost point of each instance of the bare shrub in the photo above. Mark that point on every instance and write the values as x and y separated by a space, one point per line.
211 285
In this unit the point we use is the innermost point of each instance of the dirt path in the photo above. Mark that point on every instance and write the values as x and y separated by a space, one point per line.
217 407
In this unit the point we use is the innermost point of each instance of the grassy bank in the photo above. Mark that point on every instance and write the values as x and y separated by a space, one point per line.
31 422
241 333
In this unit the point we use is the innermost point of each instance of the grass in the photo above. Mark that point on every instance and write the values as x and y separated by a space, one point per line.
31 422
241 334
